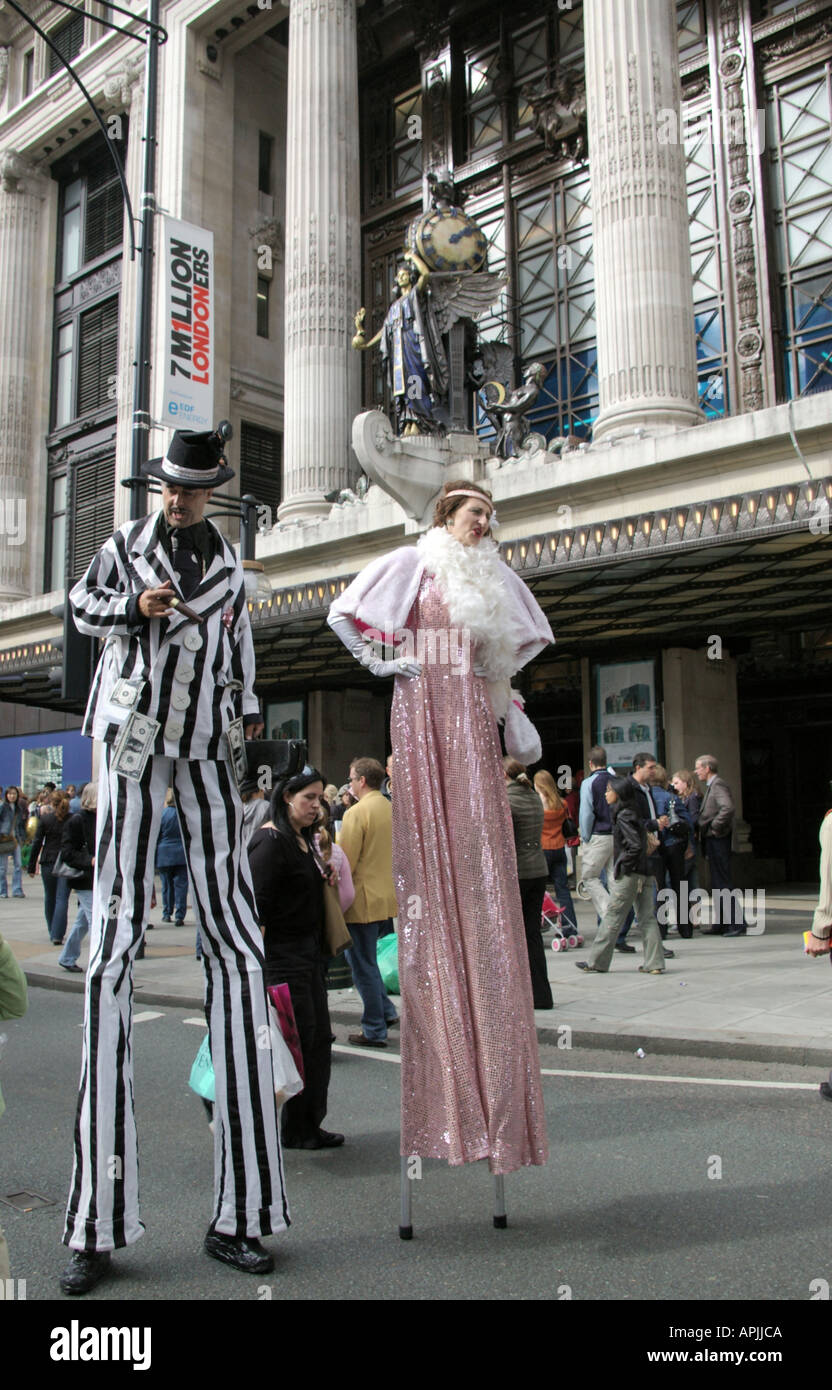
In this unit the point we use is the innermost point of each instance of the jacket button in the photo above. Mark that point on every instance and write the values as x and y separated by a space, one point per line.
193 641
184 674
180 699
174 729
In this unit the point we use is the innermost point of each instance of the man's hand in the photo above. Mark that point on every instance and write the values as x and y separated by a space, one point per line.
155 603
663 822
818 946
253 728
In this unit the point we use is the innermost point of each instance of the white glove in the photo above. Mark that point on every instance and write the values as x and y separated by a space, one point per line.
346 630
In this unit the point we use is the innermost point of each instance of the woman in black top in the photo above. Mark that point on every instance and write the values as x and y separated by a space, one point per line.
46 846
527 819
288 882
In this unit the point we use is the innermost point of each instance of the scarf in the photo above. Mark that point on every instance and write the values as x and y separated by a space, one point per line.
470 580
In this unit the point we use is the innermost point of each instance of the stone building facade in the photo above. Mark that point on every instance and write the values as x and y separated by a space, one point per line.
655 182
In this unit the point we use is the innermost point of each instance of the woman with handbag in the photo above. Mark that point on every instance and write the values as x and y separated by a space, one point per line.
527 819
78 852
47 846
12 837
556 830
289 881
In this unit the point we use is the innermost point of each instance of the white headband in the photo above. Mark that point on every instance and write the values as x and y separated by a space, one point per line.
465 492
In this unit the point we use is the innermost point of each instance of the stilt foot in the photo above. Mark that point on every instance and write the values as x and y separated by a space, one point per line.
500 1223
405 1233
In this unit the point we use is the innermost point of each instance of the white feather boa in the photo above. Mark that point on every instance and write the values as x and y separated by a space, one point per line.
470 579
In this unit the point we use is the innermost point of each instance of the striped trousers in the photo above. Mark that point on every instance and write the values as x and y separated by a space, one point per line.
249 1197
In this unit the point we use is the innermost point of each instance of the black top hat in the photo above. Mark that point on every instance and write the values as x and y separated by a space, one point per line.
193 459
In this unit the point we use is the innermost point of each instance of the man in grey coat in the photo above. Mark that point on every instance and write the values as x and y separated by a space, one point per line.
716 822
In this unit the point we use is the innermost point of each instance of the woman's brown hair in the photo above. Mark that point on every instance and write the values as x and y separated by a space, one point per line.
60 805
544 783
446 506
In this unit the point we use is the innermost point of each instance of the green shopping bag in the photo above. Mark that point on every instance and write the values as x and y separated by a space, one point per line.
387 955
202 1072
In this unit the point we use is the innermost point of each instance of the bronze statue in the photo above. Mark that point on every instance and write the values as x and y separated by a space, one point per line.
509 414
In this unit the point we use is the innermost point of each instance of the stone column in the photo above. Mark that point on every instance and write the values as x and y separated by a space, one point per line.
322 253
646 338
22 192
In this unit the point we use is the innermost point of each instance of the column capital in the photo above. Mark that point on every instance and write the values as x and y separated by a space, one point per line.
120 82
19 175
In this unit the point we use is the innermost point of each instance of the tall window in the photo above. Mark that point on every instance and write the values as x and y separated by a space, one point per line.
556 304
708 291
263 296
800 143
392 137
27 81
68 38
260 457
85 365
501 77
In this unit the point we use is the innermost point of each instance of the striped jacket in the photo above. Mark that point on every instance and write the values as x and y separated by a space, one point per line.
198 676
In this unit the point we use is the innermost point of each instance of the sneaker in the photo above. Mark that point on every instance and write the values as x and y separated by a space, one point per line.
669 955
75 969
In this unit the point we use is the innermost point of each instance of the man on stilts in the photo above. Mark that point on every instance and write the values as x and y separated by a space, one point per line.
171 701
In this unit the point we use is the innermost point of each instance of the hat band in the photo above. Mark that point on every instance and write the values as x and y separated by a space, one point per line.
187 475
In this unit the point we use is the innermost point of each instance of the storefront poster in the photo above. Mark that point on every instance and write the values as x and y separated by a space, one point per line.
626 709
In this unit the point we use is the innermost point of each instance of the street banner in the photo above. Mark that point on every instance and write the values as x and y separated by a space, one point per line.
187 263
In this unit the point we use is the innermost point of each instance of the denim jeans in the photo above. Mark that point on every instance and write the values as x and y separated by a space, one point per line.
378 1008
17 884
55 902
556 864
72 950
174 891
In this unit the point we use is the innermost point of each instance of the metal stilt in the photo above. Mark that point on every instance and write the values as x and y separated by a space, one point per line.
406 1226
500 1219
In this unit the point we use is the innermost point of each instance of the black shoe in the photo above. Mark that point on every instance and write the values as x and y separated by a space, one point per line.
713 931
324 1139
165 919
86 1269
74 969
669 955
735 931
622 946
391 1023
240 1252
586 967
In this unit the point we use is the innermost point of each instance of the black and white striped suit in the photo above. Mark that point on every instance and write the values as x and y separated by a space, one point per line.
249 1198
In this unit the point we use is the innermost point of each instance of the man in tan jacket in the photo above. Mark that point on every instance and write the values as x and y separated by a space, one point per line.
367 840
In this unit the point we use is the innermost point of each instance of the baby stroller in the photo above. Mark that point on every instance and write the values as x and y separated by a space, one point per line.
553 915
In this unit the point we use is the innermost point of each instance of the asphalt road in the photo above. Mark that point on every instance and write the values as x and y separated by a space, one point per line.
658 1187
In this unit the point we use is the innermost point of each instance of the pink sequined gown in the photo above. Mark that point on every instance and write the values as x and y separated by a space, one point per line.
470 1070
